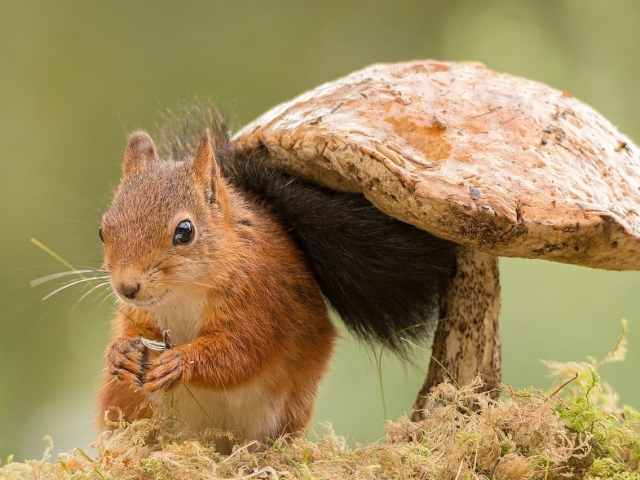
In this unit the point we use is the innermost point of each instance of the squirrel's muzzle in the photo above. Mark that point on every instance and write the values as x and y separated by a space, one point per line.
128 289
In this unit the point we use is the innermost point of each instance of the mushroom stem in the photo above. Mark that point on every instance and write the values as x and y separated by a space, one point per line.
467 341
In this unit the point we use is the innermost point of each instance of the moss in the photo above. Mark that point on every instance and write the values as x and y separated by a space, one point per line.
577 431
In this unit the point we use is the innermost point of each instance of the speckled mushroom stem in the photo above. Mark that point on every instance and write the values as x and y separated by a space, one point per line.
467 341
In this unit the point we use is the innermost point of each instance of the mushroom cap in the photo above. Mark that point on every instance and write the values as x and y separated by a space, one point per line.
491 161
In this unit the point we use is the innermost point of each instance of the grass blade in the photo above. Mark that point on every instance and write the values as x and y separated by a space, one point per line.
56 256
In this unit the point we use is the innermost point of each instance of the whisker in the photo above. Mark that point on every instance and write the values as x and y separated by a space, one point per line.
109 295
180 300
41 280
161 261
166 267
193 283
106 384
70 284
94 210
91 290
88 224
158 266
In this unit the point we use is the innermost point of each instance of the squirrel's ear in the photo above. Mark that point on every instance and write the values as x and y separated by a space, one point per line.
140 152
207 171
204 164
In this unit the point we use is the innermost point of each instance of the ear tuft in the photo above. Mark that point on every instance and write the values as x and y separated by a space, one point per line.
204 163
140 152
207 173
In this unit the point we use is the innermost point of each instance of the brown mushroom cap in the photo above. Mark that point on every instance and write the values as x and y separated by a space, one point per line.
492 161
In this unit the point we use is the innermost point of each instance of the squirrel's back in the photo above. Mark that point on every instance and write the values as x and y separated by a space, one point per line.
382 276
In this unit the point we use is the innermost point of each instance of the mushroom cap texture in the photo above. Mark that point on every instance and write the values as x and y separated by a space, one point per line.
488 160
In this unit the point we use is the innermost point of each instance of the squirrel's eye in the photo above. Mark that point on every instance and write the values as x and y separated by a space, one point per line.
184 233
100 235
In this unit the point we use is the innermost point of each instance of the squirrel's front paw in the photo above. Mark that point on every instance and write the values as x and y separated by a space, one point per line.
166 372
127 359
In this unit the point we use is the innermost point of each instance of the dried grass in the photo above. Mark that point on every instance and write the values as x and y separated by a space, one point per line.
576 432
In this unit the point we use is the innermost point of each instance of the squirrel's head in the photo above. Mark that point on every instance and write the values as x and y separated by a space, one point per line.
166 218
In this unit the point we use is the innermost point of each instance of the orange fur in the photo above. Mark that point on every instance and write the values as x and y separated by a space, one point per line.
251 327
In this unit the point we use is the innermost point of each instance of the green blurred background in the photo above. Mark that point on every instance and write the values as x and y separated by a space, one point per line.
77 77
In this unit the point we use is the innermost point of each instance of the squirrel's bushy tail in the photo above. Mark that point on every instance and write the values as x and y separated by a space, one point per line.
383 277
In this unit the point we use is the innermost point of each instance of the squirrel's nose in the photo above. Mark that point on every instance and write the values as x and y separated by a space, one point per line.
129 290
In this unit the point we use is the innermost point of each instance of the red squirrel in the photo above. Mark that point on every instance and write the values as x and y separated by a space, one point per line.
242 263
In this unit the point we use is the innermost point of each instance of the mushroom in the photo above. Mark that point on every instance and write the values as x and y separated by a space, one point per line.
500 165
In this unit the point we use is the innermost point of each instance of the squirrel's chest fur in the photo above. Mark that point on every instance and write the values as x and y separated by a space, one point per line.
250 411
182 318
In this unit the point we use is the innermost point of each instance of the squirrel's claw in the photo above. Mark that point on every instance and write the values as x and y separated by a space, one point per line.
127 361
166 372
